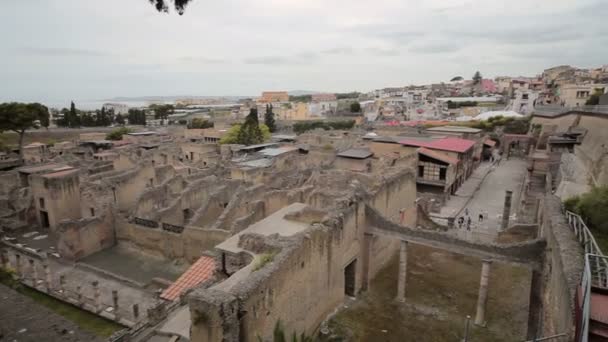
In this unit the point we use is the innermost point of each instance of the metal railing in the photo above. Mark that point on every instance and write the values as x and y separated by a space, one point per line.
595 272
599 266
557 110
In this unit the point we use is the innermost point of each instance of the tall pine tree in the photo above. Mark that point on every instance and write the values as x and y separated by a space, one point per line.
269 118
250 133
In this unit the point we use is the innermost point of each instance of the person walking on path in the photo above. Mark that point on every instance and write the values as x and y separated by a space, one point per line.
460 222
480 217
469 223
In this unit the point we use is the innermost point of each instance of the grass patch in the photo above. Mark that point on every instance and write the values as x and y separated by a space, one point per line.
263 259
84 319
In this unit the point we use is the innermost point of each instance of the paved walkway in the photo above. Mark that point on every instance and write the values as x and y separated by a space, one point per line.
484 192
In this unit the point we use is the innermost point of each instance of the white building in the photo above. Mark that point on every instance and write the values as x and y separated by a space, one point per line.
523 101
119 108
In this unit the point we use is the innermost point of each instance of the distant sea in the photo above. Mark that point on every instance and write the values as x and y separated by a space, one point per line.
131 101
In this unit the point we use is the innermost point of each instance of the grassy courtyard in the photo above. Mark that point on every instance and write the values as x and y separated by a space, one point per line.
441 291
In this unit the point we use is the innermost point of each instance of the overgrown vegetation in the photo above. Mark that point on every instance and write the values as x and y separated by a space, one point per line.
594 99
200 123
118 133
301 127
510 125
279 335
84 319
355 107
263 260
593 209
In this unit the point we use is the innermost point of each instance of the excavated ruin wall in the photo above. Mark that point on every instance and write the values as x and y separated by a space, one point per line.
188 245
563 270
305 281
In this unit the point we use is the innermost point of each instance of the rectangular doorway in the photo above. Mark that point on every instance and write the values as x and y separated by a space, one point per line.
44 219
349 278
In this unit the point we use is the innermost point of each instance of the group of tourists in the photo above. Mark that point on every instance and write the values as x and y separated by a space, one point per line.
466 220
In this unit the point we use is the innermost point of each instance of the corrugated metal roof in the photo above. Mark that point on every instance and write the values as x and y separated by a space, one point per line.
200 271
490 142
437 155
255 147
456 129
273 152
356 153
257 163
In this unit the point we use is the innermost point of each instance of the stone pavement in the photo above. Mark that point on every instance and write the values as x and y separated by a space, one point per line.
484 192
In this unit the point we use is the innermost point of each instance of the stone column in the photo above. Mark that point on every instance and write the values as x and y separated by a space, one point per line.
34 272
62 284
507 209
47 275
402 271
79 295
115 299
4 257
367 253
135 311
18 265
96 295
480 317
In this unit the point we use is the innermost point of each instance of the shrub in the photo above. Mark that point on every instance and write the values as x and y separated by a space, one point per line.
118 133
263 260
591 206
200 123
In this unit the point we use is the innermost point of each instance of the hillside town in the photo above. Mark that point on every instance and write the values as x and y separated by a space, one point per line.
320 170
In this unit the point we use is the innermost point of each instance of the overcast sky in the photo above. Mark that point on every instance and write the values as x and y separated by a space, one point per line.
57 50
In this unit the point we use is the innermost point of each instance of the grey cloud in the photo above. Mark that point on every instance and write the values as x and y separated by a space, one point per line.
339 51
201 60
520 35
62 52
298 59
435 47
382 52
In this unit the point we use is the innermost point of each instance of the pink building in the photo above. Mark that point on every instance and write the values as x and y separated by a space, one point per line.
488 86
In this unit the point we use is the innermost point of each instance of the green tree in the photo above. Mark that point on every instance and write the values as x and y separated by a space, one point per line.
269 118
355 107
162 111
119 119
136 116
118 133
250 133
477 78
594 99
71 118
87 120
18 117
232 136
163 5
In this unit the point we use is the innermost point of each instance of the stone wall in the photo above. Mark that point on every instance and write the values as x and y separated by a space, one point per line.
189 245
305 281
77 239
563 270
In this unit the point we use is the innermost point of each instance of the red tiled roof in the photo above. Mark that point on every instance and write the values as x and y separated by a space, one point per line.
200 271
437 155
490 142
445 144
